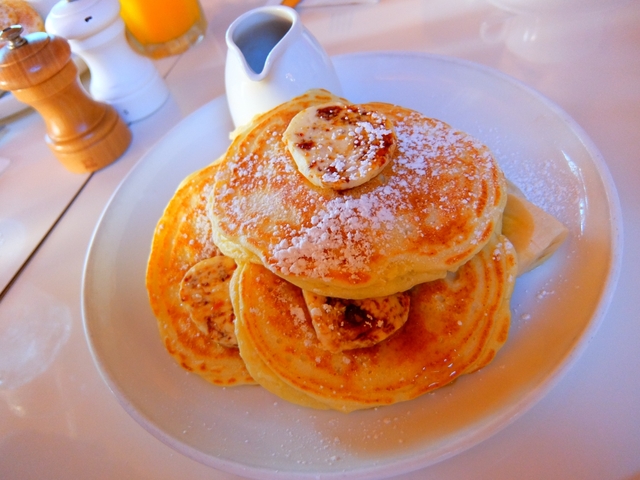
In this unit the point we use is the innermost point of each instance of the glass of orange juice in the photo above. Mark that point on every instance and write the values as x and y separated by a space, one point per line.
159 28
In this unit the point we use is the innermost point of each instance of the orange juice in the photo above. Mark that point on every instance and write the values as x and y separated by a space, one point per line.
162 27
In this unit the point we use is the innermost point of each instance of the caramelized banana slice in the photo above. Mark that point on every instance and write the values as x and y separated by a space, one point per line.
204 291
340 146
534 233
342 324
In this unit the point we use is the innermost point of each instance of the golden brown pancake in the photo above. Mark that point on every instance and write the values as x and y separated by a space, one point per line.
259 370
181 240
429 211
455 326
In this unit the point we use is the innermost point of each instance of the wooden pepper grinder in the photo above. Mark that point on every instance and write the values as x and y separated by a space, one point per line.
85 135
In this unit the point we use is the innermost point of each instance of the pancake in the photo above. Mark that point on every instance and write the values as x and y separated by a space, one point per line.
430 210
455 326
258 369
182 239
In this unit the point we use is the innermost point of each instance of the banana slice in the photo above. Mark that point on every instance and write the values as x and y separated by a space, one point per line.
534 233
204 291
342 324
340 146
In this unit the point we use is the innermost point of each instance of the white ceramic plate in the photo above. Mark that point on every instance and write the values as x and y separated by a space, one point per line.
246 430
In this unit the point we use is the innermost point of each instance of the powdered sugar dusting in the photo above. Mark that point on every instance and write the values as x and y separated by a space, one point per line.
300 253
546 175
438 193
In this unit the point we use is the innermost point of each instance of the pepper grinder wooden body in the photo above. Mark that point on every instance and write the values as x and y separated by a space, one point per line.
85 135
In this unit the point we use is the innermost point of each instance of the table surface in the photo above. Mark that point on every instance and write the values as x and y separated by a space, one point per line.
59 420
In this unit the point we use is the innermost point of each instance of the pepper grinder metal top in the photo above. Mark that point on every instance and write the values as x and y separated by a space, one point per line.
85 135
13 36
119 76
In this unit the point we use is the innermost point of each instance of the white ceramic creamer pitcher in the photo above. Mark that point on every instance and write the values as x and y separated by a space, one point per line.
271 58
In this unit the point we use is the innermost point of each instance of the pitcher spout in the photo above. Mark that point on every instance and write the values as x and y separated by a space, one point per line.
258 38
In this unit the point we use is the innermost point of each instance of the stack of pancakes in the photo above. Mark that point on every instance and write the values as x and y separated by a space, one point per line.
342 256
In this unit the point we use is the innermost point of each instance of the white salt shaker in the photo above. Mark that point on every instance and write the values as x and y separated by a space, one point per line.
119 76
